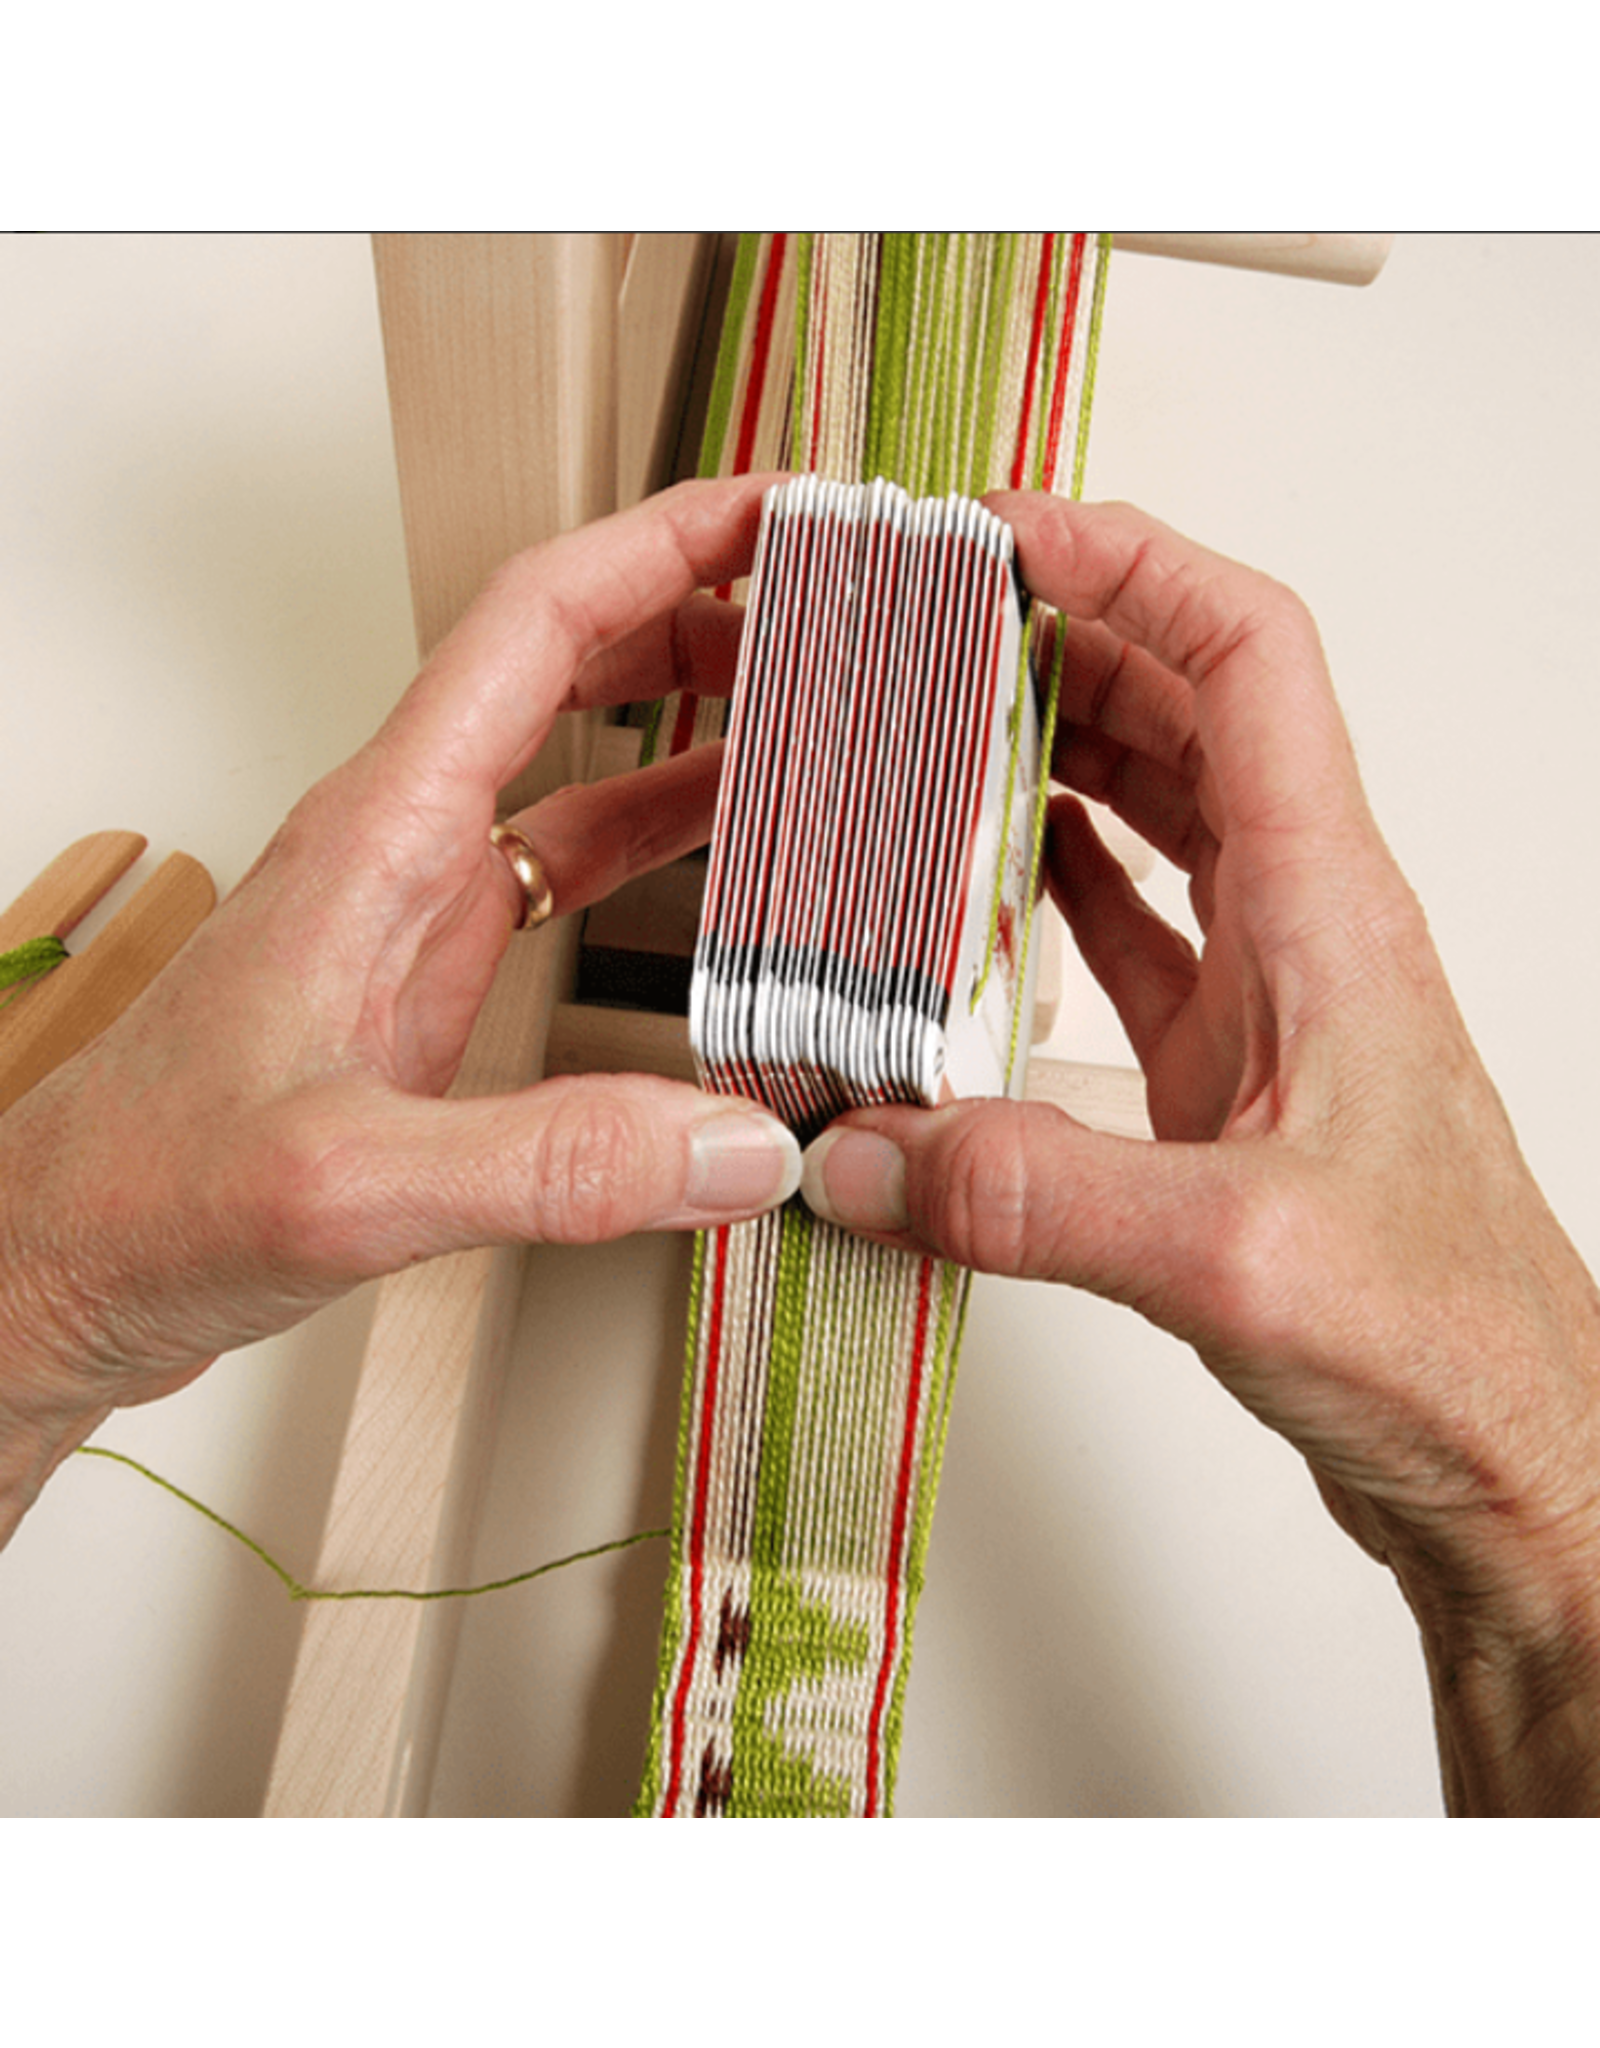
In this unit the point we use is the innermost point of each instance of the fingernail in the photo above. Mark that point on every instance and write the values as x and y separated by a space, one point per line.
741 1163
857 1180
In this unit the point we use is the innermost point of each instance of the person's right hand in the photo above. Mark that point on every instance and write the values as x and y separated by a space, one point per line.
1335 1212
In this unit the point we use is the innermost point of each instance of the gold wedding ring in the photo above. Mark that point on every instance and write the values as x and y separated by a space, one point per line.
538 899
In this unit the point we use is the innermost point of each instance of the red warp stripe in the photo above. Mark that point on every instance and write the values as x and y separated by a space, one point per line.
760 349
1058 397
897 1540
1041 303
817 329
697 1523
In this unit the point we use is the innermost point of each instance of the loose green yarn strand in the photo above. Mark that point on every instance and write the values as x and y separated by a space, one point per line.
298 1591
30 960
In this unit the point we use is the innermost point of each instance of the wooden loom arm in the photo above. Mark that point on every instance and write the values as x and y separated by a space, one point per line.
1334 259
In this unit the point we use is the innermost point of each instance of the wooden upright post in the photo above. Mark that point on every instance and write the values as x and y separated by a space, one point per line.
501 356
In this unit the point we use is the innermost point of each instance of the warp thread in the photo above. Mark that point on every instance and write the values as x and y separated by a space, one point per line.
820 1369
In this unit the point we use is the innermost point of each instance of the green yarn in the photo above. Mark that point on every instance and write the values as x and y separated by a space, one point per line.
297 1591
1002 264
803 249
792 1639
729 355
886 406
955 1291
31 959
796 1229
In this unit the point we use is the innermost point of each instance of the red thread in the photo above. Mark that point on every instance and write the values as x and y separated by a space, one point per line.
947 980
1058 397
897 1540
760 349
1041 302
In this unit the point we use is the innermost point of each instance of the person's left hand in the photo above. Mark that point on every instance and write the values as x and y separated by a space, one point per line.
264 1130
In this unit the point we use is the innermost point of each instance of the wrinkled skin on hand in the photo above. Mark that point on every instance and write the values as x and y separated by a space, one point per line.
265 1128
1335 1213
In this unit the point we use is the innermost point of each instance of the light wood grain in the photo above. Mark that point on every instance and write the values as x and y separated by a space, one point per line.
72 1005
360 1725
501 354
57 899
1110 1099
1333 259
660 314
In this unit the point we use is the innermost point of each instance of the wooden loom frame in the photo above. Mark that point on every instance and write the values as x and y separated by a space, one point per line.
532 382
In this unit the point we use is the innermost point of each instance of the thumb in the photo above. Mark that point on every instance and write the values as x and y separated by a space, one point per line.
1024 1190
577 1160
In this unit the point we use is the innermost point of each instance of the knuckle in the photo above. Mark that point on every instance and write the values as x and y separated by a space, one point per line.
982 1204
306 1195
586 1167
1262 1236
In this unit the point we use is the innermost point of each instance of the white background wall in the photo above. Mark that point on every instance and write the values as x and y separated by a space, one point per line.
1136 1603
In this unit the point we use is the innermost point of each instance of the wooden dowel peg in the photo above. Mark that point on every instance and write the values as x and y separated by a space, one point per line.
56 900
72 1005
1334 259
